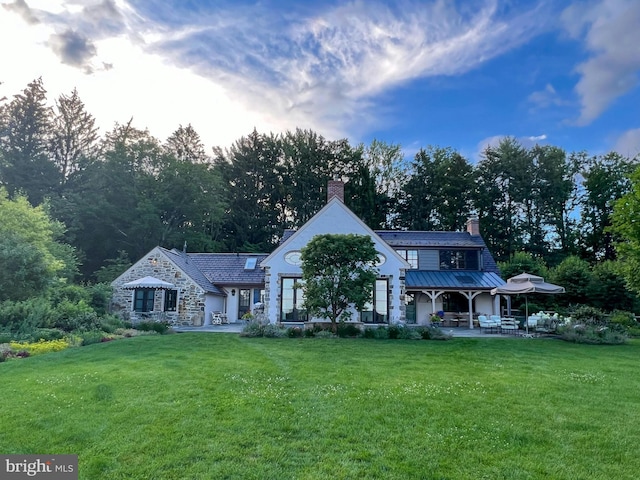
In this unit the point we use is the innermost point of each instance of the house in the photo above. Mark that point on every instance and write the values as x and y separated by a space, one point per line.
188 288
419 274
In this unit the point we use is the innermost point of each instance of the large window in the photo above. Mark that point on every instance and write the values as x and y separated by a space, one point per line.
458 260
170 300
143 299
377 311
292 301
411 256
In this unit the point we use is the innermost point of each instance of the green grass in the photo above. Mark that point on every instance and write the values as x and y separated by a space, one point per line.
198 406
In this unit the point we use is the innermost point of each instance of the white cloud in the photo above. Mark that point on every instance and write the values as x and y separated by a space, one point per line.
611 35
226 72
628 144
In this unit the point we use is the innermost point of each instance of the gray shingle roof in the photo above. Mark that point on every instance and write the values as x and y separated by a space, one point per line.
191 269
228 268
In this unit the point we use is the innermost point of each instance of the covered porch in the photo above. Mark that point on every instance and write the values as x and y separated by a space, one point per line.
457 298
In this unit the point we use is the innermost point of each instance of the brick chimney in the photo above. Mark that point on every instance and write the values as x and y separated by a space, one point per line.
473 225
335 188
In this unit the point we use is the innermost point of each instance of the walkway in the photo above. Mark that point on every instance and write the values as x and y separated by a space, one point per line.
237 328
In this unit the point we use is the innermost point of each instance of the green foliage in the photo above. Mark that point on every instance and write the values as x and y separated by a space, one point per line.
608 291
593 335
338 271
346 329
574 274
92 336
587 315
295 332
150 326
252 329
625 225
274 331
32 258
437 194
113 268
522 262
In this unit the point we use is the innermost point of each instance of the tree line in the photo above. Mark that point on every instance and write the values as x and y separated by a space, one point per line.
122 193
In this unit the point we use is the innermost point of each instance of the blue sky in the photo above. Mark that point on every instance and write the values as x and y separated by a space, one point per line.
460 74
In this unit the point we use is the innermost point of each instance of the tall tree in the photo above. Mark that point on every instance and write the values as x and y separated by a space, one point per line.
25 130
625 225
185 145
503 181
437 195
74 137
557 199
606 179
253 176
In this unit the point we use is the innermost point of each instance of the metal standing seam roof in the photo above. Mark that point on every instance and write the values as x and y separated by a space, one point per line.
456 280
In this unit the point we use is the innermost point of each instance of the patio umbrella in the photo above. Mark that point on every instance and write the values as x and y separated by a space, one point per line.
149 282
527 283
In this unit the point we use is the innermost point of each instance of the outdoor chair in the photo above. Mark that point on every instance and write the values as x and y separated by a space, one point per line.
509 325
487 323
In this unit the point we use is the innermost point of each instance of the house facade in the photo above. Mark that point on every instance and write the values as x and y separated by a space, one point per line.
419 274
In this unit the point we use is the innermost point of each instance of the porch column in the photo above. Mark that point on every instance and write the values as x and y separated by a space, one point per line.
433 295
470 296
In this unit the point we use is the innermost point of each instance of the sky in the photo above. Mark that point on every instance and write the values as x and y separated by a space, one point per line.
460 74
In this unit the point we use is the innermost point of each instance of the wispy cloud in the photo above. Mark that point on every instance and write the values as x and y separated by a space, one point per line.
310 66
628 144
611 35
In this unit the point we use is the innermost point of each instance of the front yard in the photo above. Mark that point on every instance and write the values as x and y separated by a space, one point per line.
203 406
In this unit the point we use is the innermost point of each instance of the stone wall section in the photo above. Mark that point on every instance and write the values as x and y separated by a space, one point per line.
191 297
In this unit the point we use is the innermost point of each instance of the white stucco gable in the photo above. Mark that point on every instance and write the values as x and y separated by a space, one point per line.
334 218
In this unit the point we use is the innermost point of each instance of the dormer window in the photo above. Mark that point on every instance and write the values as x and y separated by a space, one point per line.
459 260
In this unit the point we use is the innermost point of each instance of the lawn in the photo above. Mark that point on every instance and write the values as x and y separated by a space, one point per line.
210 406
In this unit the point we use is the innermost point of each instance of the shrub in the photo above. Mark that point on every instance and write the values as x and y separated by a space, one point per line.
622 318
150 326
40 347
346 329
369 332
91 337
309 333
434 333
110 323
393 331
324 334
586 315
409 333
381 333
47 334
295 332
274 331
591 334
75 316
252 329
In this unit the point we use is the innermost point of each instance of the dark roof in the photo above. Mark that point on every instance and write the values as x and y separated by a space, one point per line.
229 268
423 239
460 280
411 238
190 268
